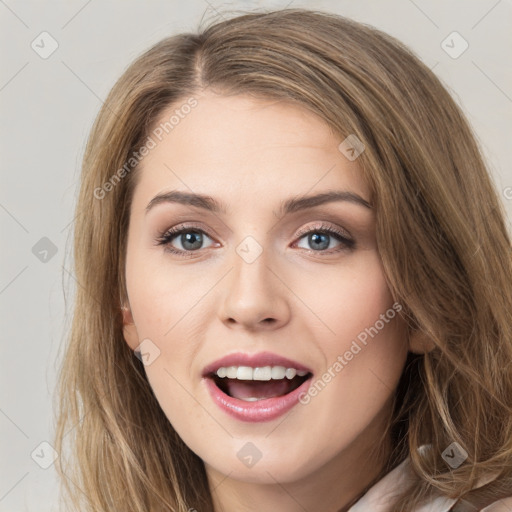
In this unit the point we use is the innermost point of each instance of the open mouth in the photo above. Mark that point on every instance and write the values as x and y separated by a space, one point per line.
254 384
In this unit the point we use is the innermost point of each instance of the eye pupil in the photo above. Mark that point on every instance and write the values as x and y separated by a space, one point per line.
317 243
192 237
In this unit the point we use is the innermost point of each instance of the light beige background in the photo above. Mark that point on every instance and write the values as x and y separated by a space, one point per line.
47 108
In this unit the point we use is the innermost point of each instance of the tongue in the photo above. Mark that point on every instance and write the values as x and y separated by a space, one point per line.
257 389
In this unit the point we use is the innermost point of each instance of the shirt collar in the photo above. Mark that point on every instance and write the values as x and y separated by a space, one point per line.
377 498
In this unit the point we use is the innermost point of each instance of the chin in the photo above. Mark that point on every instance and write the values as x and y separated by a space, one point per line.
274 464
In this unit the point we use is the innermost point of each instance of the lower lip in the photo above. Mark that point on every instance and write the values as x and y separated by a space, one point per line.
261 410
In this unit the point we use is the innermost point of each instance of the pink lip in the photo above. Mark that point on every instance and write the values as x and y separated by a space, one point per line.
253 360
262 410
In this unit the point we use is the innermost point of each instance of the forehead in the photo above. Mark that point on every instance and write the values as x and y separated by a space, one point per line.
239 146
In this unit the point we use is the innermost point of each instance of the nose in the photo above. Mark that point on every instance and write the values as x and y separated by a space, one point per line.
255 296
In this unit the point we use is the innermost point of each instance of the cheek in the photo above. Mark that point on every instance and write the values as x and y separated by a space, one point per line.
359 380
345 299
363 342
163 296
161 312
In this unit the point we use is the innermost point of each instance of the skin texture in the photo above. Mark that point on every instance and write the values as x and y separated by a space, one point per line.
301 303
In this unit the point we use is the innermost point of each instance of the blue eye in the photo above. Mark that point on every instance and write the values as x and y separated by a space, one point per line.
191 240
319 239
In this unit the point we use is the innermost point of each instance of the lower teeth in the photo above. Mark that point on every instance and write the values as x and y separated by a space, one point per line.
251 399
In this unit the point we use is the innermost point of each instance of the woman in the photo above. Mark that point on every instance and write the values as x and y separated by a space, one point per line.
295 283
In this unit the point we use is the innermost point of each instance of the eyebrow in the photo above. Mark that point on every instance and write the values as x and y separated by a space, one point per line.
291 205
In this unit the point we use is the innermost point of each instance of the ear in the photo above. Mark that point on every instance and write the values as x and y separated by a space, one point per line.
130 333
420 343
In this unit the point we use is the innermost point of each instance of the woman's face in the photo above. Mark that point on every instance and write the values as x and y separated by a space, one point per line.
267 273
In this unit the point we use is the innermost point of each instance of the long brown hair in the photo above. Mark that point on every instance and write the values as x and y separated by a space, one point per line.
440 231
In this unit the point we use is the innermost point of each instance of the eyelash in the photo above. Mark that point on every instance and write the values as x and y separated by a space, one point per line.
168 236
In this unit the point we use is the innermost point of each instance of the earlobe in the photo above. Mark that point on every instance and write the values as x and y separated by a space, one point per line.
129 330
420 343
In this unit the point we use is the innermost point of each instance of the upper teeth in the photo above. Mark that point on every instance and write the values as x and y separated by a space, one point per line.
263 373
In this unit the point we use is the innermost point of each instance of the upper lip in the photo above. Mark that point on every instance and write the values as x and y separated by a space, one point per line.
254 361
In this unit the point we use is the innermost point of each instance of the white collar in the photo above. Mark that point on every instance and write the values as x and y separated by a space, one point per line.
377 498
